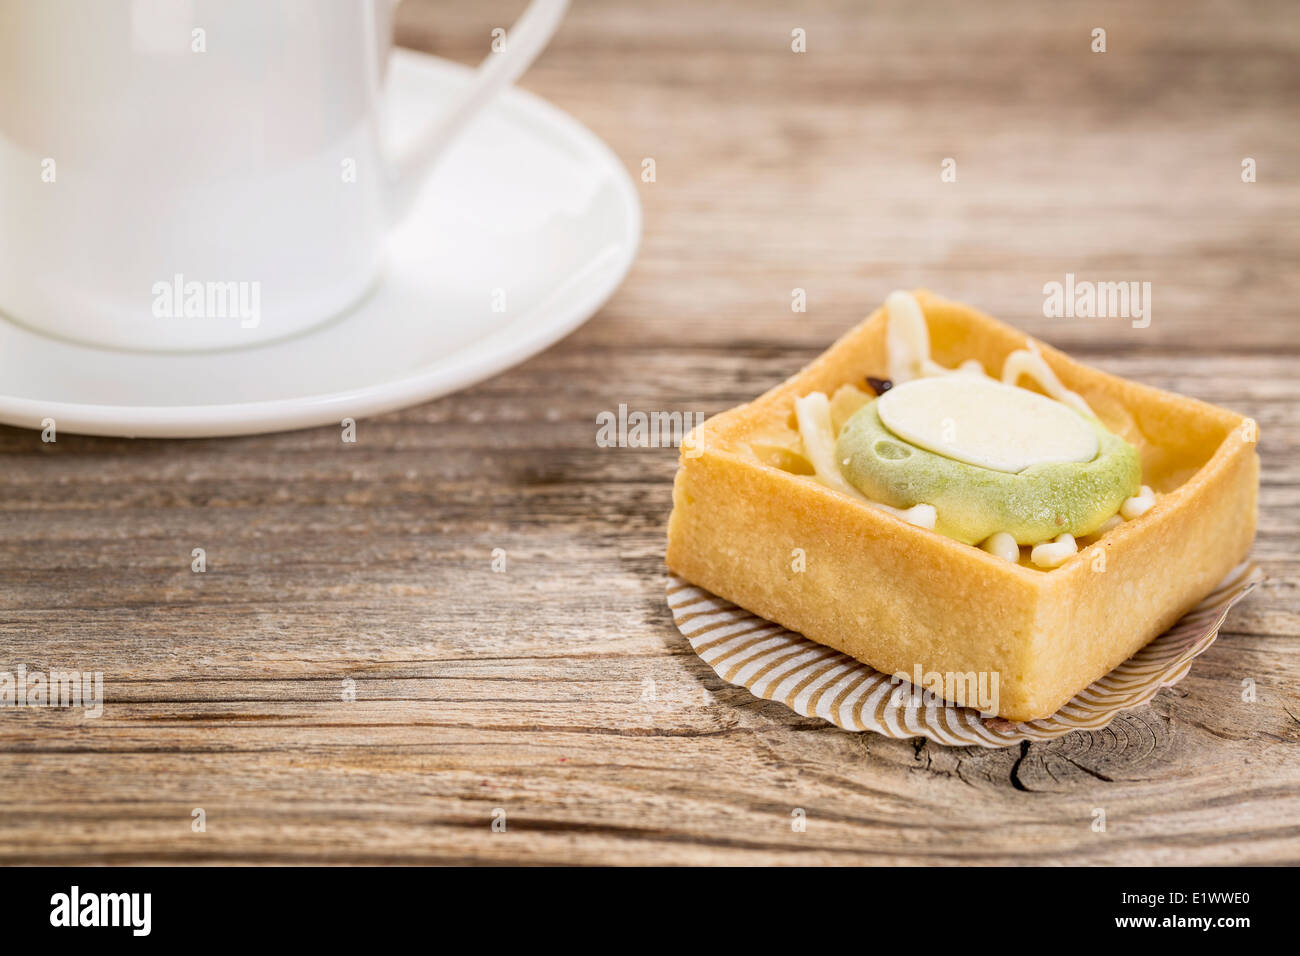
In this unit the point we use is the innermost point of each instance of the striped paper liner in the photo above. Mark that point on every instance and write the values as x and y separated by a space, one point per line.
814 680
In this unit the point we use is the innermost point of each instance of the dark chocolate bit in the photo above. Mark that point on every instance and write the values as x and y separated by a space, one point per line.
879 385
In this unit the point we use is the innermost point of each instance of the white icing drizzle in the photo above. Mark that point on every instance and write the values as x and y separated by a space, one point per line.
1051 554
1030 362
1002 545
907 338
813 414
1110 524
1139 504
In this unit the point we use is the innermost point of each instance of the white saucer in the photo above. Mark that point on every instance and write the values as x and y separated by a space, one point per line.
528 201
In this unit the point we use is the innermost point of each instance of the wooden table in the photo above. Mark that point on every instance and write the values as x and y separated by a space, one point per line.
522 691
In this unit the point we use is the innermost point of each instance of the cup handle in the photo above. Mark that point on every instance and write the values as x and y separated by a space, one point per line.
524 41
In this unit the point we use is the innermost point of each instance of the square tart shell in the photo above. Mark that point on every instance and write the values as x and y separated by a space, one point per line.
897 596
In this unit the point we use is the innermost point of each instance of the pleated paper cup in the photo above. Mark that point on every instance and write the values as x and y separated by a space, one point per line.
813 680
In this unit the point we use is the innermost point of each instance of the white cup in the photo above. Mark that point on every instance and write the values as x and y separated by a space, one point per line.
198 174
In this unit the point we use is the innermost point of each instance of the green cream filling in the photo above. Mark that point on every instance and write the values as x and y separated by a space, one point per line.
974 502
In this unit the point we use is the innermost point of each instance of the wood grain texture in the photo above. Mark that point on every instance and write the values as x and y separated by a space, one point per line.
527 690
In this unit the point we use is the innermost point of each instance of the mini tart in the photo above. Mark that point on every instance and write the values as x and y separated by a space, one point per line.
751 523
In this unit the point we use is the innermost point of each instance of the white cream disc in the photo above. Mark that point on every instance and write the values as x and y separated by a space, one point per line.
982 422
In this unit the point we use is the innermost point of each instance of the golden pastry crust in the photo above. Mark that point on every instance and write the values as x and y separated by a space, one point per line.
897 596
